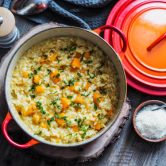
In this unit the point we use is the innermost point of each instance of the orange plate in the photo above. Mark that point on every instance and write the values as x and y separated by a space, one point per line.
133 17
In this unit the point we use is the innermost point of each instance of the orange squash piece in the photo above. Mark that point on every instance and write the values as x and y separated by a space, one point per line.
60 122
79 99
97 126
36 118
65 103
54 76
87 86
25 74
76 64
44 125
36 79
56 80
73 88
96 97
62 114
75 128
30 111
52 57
39 89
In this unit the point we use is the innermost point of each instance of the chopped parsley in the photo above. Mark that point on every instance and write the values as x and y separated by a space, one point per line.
80 121
58 75
95 106
48 71
69 97
34 72
55 103
85 94
37 70
79 75
32 88
33 96
88 62
100 116
50 120
84 128
70 82
48 85
91 75
39 105
69 48
30 75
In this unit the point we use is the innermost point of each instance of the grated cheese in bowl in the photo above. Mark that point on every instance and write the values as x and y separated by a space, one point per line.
151 124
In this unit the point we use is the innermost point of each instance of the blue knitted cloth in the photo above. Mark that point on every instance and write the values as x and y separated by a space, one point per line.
87 14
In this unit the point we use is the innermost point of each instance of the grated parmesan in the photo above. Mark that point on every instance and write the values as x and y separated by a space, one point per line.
151 124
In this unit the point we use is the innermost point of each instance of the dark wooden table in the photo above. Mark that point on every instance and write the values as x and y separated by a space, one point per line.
128 150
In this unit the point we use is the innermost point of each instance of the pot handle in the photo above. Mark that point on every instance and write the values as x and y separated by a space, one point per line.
121 34
5 123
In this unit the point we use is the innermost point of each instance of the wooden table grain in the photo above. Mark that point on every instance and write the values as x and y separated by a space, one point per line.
129 150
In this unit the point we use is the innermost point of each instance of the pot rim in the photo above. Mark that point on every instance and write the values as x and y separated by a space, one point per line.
31 135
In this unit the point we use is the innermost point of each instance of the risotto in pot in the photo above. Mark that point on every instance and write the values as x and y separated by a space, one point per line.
64 90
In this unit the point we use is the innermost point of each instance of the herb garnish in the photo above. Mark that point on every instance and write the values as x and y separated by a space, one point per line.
33 96
48 71
34 72
48 85
91 75
88 62
39 105
70 82
37 70
79 75
58 75
50 120
69 97
80 121
84 128
55 103
69 48
95 106
32 88
30 75
85 94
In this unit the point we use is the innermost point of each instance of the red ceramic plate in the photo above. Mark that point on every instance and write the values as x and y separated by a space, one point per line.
143 88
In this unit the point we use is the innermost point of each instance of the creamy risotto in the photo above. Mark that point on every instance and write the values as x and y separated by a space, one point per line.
63 90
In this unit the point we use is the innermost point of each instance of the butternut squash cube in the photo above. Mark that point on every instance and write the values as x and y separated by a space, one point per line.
36 79
36 118
76 64
25 74
60 122
39 89
79 99
65 103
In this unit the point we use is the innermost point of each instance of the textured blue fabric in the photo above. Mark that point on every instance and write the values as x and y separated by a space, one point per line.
83 13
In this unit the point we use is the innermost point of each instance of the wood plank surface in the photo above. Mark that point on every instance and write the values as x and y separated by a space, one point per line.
129 150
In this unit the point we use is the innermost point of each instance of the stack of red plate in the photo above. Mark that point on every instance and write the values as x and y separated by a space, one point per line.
144 24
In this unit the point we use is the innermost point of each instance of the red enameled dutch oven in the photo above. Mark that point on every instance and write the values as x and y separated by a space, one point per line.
46 31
